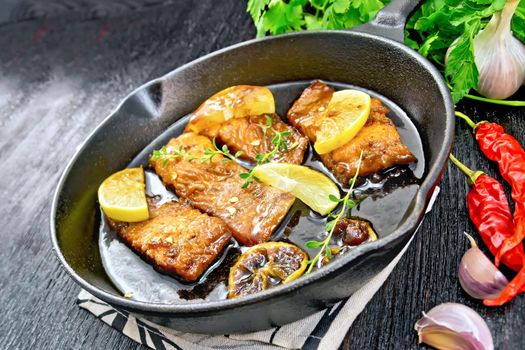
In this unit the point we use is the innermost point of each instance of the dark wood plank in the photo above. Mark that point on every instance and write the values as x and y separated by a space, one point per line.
65 67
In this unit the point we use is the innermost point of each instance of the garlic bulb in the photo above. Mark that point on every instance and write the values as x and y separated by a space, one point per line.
499 56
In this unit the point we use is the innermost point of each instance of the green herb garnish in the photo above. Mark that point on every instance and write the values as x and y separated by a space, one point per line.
162 154
281 16
279 142
224 151
348 205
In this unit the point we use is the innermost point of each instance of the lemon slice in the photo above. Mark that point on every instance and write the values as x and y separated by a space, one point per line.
122 196
310 186
264 266
234 102
346 114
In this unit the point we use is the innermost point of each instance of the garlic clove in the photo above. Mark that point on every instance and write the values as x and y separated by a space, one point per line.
478 276
452 326
499 56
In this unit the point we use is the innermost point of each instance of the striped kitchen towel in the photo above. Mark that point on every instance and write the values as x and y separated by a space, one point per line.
323 330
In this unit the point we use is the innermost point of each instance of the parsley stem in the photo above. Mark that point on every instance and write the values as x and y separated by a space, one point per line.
496 101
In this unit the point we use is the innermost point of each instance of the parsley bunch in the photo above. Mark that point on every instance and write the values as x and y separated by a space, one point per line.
280 16
437 25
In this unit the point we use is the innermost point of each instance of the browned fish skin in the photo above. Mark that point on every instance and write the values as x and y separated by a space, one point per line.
177 239
247 135
215 187
378 139
309 108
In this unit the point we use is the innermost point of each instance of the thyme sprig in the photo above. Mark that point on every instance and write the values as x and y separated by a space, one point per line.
165 156
279 142
208 154
224 151
348 205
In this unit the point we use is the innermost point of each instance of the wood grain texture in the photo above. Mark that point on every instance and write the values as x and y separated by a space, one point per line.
63 68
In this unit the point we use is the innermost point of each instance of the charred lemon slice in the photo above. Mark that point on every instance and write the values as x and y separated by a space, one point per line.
346 114
264 266
310 186
234 102
122 196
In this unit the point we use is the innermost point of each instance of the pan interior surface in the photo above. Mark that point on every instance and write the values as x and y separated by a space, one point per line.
389 195
370 62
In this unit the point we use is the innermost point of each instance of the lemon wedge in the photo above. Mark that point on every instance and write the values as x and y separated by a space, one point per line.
234 102
310 186
122 196
346 114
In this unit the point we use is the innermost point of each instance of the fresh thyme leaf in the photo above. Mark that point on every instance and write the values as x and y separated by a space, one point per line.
328 252
333 198
329 225
351 203
244 175
313 244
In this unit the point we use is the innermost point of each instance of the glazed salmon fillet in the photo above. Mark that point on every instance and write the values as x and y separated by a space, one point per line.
248 136
378 139
177 239
215 187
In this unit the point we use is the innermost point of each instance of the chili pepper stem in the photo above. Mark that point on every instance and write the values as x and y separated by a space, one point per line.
469 121
472 175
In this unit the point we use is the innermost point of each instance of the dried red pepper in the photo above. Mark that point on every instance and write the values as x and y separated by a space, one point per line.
504 149
490 213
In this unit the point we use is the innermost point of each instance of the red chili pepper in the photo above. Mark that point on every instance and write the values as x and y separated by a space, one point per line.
504 149
489 211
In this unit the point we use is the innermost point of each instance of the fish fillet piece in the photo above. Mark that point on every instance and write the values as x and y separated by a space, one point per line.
177 239
378 139
248 135
308 110
215 187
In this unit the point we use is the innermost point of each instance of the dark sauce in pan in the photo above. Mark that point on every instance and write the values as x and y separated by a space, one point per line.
387 196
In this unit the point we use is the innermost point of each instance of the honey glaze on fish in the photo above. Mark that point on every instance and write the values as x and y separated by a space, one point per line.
385 198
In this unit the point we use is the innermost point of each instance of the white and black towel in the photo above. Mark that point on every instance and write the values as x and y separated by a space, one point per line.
323 330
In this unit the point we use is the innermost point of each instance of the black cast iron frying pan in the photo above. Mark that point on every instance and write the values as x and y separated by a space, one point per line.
363 57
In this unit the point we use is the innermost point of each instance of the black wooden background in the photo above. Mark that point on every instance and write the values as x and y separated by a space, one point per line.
64 65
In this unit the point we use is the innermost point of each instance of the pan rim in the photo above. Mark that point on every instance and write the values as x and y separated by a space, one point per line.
407 229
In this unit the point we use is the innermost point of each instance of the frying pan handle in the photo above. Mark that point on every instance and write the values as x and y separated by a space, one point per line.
390 21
